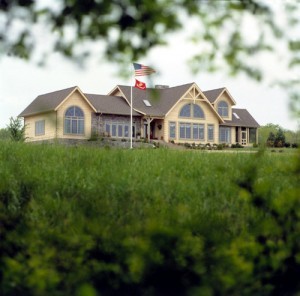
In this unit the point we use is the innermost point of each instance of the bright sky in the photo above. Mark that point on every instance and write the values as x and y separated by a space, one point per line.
22 81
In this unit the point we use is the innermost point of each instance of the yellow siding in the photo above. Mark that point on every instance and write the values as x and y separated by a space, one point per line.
233 135
50 130
159 132
54 121
75 100
210 118
225 97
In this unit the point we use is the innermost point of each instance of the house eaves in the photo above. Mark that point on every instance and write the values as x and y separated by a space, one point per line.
213 95
47 102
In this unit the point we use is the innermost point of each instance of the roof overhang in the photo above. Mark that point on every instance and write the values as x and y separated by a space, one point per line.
225 90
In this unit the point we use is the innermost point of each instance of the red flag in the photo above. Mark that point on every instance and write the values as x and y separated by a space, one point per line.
140 84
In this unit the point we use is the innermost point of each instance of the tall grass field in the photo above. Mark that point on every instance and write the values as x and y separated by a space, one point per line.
89 221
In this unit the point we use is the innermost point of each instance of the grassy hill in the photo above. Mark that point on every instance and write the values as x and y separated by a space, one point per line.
87 221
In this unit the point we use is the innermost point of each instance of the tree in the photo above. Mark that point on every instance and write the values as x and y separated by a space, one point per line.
280 138
264 132
131 28
128 29
271 140
16 129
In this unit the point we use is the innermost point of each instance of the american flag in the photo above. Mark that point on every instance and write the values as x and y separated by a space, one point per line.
141 70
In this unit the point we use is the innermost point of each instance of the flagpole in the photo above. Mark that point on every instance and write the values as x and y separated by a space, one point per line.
131 116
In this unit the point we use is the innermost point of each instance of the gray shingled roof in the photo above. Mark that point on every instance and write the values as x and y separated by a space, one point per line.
244 119
110 104
46 102
161 99
213 94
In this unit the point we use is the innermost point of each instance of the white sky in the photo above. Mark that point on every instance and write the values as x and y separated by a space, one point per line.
21 81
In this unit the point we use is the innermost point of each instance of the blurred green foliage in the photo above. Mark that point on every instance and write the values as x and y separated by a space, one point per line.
15 129
130 29
84 221
264 132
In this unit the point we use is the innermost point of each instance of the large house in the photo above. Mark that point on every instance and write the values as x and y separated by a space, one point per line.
179 114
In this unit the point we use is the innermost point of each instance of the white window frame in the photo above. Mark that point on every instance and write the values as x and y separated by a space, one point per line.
200 127
224 134
72 123
114 127
172 124
223 110
40 128
210 127
187 126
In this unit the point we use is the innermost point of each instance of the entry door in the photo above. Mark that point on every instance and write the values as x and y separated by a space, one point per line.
244 137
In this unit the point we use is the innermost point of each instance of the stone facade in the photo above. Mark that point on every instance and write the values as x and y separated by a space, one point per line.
99 120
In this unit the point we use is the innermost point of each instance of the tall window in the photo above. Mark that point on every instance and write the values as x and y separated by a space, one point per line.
191 110
252 135
210 132
223 109
40 127
184 130
74 121
224 134
172 130
198 131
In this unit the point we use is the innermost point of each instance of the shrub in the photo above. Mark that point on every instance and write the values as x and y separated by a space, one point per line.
237 145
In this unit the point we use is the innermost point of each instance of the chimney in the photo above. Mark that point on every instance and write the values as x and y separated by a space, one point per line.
160 86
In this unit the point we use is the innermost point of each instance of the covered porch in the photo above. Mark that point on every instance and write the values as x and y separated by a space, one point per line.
246 135
152 128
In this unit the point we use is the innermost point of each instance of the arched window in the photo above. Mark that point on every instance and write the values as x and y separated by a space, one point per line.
74 121
198 112
191 110
185 111
223 109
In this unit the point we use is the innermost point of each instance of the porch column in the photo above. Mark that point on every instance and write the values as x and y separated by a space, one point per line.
149 120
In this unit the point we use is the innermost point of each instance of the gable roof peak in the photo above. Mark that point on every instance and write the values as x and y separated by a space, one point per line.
213 94
48 101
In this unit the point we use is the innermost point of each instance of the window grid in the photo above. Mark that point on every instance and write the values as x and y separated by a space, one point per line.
191 111
223 109
210 132
198 131
172 130
40 128
224 135
74 121
117 129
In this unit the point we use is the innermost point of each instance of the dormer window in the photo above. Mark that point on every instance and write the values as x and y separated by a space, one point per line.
223 109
